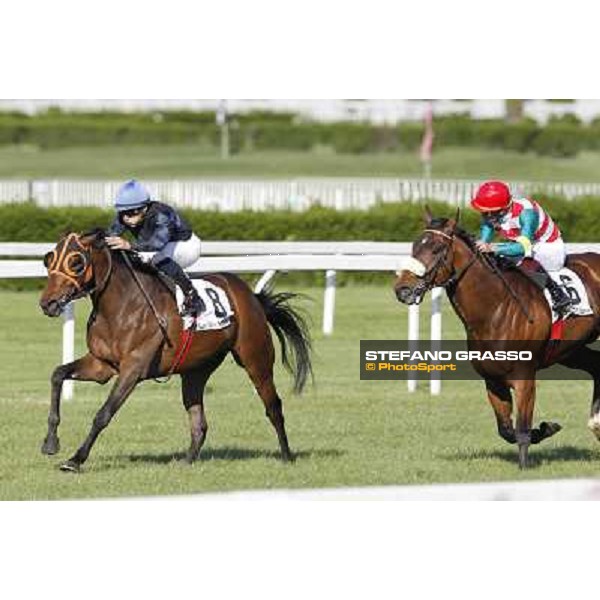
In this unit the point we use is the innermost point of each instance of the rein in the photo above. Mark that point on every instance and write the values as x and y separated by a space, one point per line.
187 335
499 273
75 264
456 277
162 323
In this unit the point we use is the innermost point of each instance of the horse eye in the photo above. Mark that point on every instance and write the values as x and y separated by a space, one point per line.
76 264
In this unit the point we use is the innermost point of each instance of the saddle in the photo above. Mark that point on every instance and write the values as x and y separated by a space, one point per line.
218 311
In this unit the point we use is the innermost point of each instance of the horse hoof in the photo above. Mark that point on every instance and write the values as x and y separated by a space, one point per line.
70 467
549 429
594 426
50 446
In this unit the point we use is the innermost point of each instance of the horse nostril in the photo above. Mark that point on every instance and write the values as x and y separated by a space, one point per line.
50 308
404 294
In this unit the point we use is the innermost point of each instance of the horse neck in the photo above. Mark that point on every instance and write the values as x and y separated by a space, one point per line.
118 285
476 287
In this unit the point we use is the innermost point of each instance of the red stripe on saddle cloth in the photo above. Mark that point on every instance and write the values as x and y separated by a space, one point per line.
556 335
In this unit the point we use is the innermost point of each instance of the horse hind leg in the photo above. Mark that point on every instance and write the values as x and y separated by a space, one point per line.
258 363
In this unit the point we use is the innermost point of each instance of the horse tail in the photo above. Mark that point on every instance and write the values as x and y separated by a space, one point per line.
293 334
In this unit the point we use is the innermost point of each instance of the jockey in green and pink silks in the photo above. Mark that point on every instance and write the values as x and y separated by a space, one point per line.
530 233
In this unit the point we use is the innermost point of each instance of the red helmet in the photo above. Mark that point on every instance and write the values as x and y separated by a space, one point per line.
492 195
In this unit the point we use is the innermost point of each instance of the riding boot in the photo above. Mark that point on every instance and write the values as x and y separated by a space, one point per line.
193 305
536 272
560 299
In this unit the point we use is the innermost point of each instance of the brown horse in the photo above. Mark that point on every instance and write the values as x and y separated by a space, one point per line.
446 256
125 338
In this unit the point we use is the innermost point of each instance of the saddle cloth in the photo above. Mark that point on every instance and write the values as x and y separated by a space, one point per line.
218 311
572 285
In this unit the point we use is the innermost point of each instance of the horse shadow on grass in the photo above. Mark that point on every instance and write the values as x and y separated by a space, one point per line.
228 453
537 456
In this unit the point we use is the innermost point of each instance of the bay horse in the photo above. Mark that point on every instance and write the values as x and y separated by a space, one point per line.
125 339
446 256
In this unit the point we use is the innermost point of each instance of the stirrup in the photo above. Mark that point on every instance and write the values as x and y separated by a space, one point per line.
192 306
561 305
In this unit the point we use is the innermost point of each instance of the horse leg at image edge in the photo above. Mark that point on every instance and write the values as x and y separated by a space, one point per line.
87 368
588 360
123 387
594 420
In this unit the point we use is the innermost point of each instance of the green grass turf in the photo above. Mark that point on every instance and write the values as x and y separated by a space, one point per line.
189 161
346 432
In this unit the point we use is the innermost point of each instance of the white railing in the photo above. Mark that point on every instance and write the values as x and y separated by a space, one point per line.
257 257
287 194
268 258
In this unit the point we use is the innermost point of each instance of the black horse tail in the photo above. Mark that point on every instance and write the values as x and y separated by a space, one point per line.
293 334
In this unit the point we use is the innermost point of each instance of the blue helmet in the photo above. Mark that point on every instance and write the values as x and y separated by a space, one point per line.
131 195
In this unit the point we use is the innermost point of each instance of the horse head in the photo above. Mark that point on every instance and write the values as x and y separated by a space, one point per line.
73 270
431 262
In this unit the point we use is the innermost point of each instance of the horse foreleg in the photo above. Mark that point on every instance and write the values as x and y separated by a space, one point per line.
525 400
87 368
120 392
501 400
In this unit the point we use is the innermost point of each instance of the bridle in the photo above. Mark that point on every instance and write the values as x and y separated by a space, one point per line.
455 276
430 275
73 262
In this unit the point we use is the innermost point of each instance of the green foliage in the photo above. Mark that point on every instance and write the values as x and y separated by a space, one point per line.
563 136
281 136
579 221
560 140
385 222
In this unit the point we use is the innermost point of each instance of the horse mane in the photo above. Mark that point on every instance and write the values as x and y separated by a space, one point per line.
99 241
469 239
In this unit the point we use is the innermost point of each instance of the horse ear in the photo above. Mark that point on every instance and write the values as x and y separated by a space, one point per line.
427 215
94 238
452 223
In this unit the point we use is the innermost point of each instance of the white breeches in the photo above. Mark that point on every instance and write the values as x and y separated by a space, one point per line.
551 255
185 253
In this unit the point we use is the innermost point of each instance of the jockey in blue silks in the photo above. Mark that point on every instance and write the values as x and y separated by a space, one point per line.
157 228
